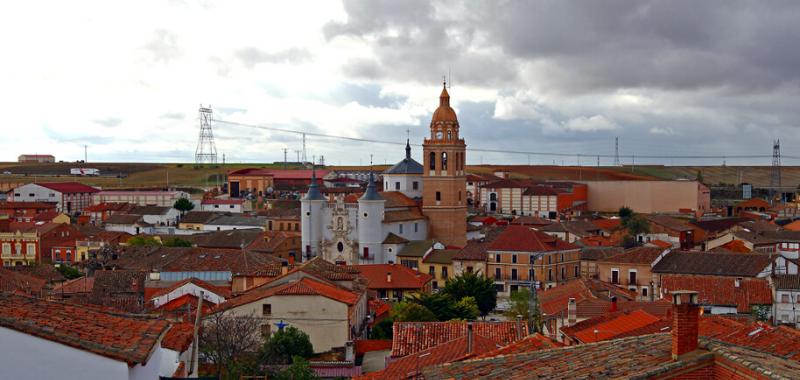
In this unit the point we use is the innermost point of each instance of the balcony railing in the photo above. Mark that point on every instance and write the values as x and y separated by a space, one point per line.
623 281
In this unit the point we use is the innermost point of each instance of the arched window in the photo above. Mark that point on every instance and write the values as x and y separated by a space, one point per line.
432 161
444 160
449 135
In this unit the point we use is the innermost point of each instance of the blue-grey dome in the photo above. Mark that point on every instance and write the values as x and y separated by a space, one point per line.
313 193
407 166
371 194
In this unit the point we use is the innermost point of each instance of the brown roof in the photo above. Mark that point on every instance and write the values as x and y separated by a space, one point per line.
123 337
391 238
16 282
119 289
411 337
403 277
199 217
396 199
786 281
236 261
718 225
47 272
124 219
234 239
525 239
722 291
599 253
531 221
475 250
637 255
302 286
402 215
441 256
713 263
75 286
669 222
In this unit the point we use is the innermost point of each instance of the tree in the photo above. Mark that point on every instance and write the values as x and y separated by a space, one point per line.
183 205
637 225
472 285
382 329
520 301
625 212
177 242
69 272
440 304
139 240
299 370
286 344
466 309
230 341
406 311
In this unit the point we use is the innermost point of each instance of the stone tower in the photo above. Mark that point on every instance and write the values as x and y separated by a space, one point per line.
370 225
444 199
311 208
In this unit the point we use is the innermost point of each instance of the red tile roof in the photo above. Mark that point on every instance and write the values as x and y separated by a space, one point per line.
396 199
27 205
69 187
222 201
124 337
402 215
607 224
222 291
179 337
533 342
661 243
722 291
638 255
615 325
736 246
457 349
15 282
525 239
368 345
304 286
279 174
78 285
403 277
412 337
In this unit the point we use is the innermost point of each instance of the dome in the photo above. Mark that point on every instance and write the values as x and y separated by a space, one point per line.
407 166
444 112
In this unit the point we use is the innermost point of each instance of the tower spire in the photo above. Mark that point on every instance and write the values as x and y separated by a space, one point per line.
408 149
313 193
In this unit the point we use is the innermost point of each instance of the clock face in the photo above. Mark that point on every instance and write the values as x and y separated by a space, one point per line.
439 134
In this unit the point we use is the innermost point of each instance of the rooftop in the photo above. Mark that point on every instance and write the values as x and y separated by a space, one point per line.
722 291
119 336
637 255
68 187
402 277
525 239
713 263
412 337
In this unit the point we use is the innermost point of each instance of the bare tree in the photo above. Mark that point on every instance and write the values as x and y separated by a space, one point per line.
229 341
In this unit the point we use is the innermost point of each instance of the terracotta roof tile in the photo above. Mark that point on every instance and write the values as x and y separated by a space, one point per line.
69 187
16 282
713 263
402 215
123 337
303 286
402 277
722 291
525 239
411 337
637 255
179 337
533 342
619 324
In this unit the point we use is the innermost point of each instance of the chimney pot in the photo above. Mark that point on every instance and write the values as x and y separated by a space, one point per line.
469 337
613 303
572 312
685 322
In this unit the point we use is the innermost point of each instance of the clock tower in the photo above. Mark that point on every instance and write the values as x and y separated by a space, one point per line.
444 199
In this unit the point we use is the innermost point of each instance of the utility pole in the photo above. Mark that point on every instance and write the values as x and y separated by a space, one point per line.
616 151
304 148
85 153
298 155
284 158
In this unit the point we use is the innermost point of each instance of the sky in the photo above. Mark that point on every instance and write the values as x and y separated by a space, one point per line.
670 78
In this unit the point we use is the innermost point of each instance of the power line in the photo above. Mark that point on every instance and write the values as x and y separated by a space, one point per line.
521 152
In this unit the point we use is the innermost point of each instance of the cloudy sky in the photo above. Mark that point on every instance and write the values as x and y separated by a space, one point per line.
666 77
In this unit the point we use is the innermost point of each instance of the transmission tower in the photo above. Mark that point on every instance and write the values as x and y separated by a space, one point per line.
206 151
775 181
616 151
304 149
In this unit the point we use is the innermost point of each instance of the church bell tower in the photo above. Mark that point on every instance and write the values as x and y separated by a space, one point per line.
444 199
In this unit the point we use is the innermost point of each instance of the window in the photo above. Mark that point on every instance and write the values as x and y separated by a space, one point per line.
401 228
438 196
497 273
444 160
549 259
615 276
436 285
449 134
499 288
513 274
785 298
266 309
6 249
632 278
562 257
397 185
444 273
644 292
416 227
497 258
340 247
30 249
469 269
432 160
18 248
366 252
563 273
415 185
532 259
409 263
549 275
432 270
514 259
531 275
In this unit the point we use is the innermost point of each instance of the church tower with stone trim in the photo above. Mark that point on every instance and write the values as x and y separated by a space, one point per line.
444 199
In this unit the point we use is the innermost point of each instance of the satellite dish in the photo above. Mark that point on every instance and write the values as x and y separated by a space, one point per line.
270 190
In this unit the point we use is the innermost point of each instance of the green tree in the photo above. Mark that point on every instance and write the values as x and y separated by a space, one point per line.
475 286
520 301
183 205
68 271
625 212
177 242
285 345
299 370
408 311
382 329
466 309
139 240
440 304
637 225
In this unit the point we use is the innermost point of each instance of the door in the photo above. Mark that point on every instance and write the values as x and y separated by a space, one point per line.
234 193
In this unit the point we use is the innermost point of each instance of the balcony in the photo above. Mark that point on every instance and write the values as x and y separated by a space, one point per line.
623 281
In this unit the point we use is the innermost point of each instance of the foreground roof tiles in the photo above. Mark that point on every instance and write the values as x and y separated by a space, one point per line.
412 337
638 255
124 337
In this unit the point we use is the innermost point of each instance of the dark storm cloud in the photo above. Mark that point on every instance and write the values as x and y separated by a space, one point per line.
582 46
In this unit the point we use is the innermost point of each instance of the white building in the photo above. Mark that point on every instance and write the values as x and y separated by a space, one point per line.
88 342
235 222
70 197
236 205
141 198
405 176
357 231
157 215
786 290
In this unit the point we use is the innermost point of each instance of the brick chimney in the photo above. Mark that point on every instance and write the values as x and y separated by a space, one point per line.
685 322
572 312
284 268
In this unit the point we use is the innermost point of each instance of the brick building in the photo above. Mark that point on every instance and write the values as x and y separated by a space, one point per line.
70 198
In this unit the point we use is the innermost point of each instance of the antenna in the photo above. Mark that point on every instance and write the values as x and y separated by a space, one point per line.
616 151
284 157
775 180
206 151
304 149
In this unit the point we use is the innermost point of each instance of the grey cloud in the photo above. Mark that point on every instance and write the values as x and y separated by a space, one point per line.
109 122
163 46
252 56
173 115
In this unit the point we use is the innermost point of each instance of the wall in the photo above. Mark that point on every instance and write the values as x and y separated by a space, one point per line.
28 357
643 277
323 319
406 184
647 196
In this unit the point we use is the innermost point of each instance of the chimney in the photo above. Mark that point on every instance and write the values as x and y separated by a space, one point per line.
572 312
469 338
389 277
613 303
685 322
349 354
284 268
291 259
